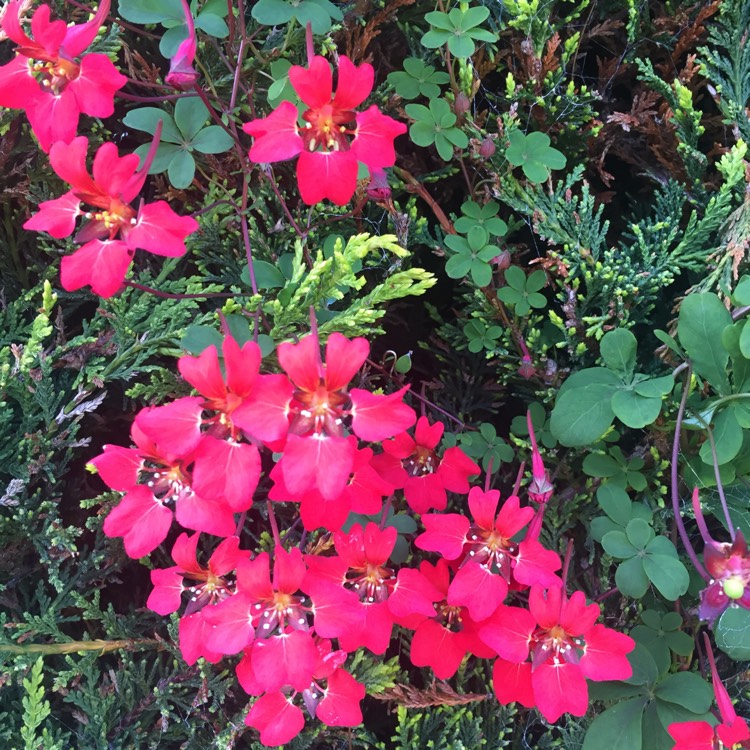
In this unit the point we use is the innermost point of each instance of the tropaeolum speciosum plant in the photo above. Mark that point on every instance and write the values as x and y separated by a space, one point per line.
320 516
200 458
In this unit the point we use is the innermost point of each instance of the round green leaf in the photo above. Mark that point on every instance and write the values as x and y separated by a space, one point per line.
458 266
616 544
631 578
477 237
617 728
147 118
164 155
655 387
732 632
669 576
582 418
535 172
686 689
190 114
741 294
634 410
212 140
601 465
267 276
212 24
444 146
639 533
481 273
181 170
618 349
272 12
614 501
728 437
198 338
461 46
422 133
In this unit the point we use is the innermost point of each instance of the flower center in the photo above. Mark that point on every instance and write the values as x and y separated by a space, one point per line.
555 644
213 589
372 584
327 129
280 611
321 412
422 461
54 76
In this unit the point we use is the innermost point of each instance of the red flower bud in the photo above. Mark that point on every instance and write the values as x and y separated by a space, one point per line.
487 148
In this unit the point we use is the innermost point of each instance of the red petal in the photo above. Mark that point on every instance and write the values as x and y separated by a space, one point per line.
185 553
509 632
227 556
302 362
372 630
354 84
343 360
473 578
375 418
577 617
276 718
412 594
231 624
535 565
18 88
733 734
176 426
69 162
193 630
435 646
276 136
425 493
49 34
288 570
314 84
373 143
166 596
512 683
317 461
446 534
204 374
428 435
692 735
604 656
558 689
111 171
53 118
242 365
118 467
81 36
483 507
160 230
331 175
227 471
95 86
56 217
193 512
318 513
455 469
288 659
254 578
141 520
512 518
102 265
340 706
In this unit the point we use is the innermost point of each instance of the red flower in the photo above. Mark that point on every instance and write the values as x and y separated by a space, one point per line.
732 732
412 463
729 567
334 138
114 230
565 648
492 560
210 584
317 454
45 80
445 633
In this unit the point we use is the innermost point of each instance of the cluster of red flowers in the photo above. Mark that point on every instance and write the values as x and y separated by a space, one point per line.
342 450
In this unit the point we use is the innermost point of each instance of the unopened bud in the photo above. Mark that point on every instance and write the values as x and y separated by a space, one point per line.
487 148
526 370
462 104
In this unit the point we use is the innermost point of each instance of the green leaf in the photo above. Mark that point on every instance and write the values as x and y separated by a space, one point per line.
686 689
727 438
614 501
181 170
458 266
588 377
267 276
164 155
481 273
732 632
461 46
618 349
669 575
617 728
579 419
617 544
147 118
212 140
741 293
148 11
601 465
273 12
703 318
199 338
190 114
634 410
655 387
631 579
212 24
639 533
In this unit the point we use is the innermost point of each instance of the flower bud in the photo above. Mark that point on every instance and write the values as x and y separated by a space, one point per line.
502 261
462 104
487 148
